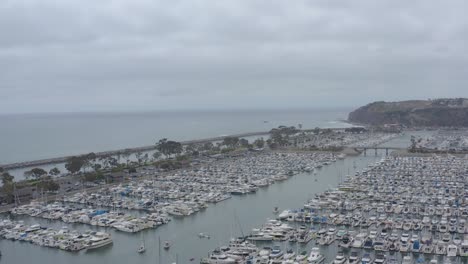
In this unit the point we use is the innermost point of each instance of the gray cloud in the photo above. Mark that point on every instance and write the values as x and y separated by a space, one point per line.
147 54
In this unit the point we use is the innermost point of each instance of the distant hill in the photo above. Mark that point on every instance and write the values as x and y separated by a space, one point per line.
437 112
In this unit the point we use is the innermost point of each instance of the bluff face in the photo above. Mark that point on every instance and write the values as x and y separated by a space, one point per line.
436 113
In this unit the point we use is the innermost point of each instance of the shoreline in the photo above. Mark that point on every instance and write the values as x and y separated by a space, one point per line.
25 164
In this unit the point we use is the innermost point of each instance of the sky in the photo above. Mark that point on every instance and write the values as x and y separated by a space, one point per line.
140 55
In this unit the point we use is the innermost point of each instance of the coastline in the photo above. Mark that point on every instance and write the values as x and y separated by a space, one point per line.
131 150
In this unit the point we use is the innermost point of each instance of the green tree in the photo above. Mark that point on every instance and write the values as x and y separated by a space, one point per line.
156 155
259 143
271 144
35 173
48 184
139 157
207 146
190 148
54 171
230 142
7 178
169 147
74 164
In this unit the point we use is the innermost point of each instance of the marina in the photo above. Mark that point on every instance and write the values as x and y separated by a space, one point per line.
398 210
302 169
365 215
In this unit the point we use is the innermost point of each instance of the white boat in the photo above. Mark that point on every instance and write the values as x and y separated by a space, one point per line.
99 240
301 257
407 260
353 258
217 257
464 249
315 257
339 259
141 248
452 251
276 252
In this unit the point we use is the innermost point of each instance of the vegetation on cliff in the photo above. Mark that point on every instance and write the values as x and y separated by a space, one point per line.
434 113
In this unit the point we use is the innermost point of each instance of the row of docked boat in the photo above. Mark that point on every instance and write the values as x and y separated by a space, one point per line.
121 221
63 239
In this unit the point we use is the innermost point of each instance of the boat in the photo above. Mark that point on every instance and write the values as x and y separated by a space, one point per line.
276 252
315 257
367 259
407 260
353 258
464 249
452 251
218 257
301 257
141 248
416 246
379 259
167 245
339 259
345 242
202 235
99 240
276 210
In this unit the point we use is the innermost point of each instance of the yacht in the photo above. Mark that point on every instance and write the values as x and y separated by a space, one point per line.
217 257
99 240
452 251
358 240
315 257
301 257
276 252
379 259
345 242
353 258
339 259
464 249
367 259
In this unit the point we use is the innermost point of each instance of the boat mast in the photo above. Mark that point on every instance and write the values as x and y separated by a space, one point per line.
159 249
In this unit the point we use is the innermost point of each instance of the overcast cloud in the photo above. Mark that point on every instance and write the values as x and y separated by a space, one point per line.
119 55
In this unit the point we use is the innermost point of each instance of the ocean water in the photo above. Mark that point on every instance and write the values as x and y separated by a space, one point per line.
39 136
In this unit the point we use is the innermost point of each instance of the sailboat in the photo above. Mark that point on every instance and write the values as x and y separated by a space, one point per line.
276 210
142 247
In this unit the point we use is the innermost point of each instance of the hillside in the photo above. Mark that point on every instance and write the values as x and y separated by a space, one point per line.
438 113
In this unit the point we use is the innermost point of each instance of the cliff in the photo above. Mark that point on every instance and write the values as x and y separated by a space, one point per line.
436 113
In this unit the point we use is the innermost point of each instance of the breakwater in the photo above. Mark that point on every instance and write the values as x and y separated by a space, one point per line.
40 162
